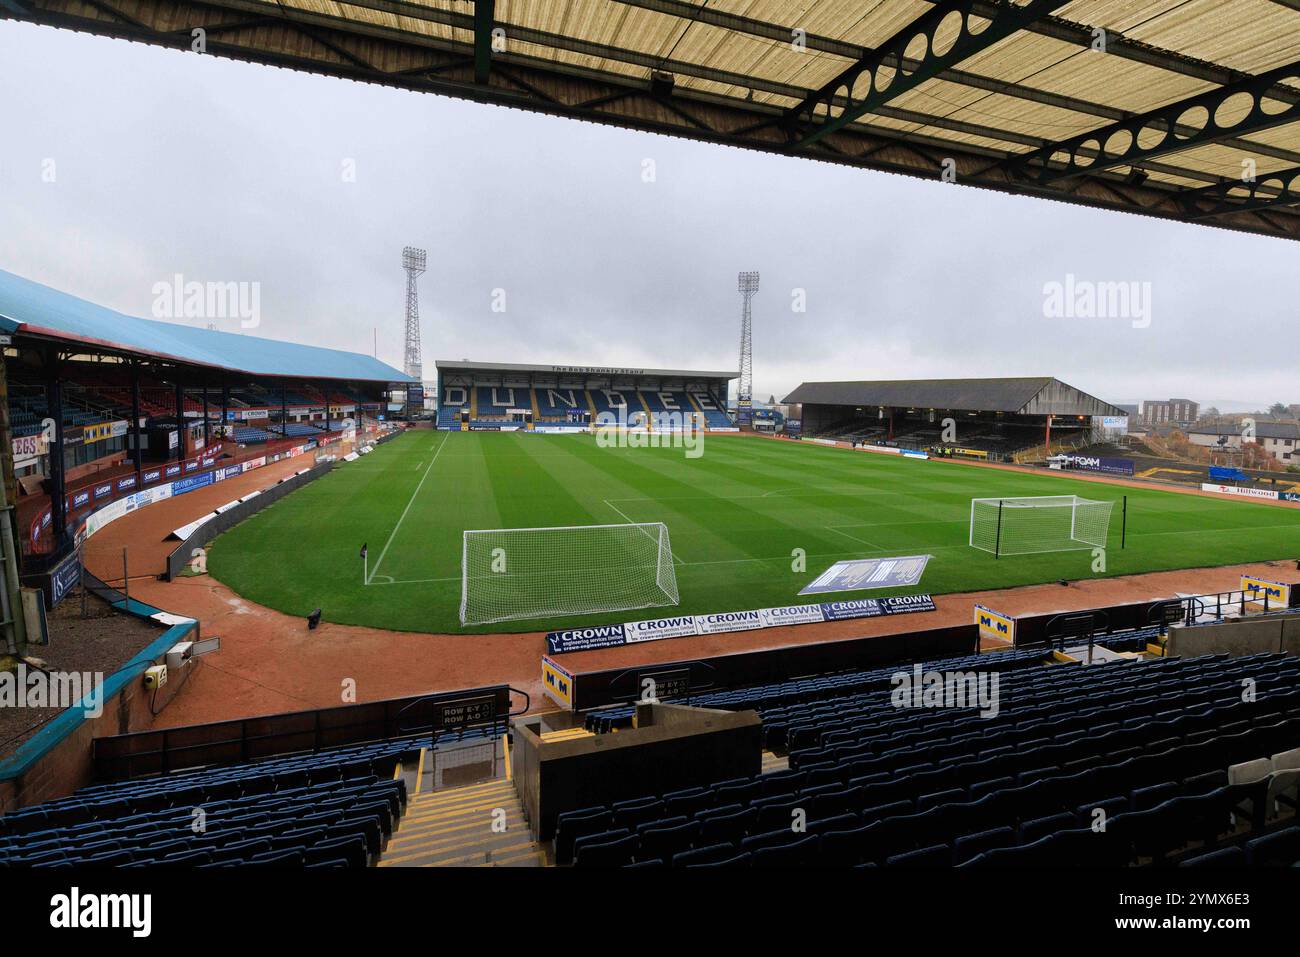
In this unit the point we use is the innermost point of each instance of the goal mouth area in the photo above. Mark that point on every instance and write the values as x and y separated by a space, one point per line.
565 571
1039 524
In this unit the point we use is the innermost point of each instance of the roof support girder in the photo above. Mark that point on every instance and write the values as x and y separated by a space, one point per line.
1280 188
484 21
1162 130
943 37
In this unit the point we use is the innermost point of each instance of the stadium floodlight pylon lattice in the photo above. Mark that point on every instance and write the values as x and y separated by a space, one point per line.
513 573
1040 523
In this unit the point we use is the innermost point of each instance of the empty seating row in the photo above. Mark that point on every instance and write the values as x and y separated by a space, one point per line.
1047 759
188 789
340 821
768 698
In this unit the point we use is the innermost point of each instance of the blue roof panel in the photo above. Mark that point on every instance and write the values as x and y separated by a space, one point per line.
27 306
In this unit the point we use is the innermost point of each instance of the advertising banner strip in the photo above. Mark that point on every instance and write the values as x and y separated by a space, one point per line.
1238 490
1096 463
681 626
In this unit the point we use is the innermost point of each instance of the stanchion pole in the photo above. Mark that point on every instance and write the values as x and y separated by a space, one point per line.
997 544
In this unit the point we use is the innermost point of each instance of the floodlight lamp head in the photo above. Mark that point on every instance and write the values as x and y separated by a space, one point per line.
413 258
748 282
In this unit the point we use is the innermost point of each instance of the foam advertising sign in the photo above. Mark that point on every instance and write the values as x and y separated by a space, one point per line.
994 624
1258 589
190 484
858 573
557 683
585 639
906 604
658 628
856 608
1239 490
791 615
1097 463
729 621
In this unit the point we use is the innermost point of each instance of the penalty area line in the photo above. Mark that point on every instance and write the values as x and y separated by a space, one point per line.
627 518
406 510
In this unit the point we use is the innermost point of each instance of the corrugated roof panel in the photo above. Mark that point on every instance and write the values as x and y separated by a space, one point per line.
1247 35
1161 51
988 395
27 306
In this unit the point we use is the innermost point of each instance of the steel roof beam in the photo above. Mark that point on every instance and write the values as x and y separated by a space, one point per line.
484 21
1050 26
1159 131
882 75
1280 188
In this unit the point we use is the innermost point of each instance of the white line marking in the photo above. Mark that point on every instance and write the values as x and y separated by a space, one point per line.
408 507
871 545
628 519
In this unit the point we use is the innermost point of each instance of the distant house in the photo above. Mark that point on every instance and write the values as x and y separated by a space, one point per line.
1279 439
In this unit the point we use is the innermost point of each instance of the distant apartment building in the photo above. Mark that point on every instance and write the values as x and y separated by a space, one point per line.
1180 412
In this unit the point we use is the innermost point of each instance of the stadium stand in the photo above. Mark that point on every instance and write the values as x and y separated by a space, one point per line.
995 418
568 396
247 435
332 808
1155 745
556 404
297 430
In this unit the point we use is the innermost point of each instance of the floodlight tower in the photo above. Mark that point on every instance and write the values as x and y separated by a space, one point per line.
745 396
413 261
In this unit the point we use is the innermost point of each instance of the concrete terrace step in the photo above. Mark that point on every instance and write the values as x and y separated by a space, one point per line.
476 825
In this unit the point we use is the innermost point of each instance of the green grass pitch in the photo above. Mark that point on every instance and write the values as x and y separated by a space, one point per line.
735 515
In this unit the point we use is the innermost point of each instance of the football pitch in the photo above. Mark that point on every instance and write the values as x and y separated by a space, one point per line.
738 516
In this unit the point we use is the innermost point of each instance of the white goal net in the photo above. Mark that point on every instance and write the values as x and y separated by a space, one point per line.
1042 523
512 573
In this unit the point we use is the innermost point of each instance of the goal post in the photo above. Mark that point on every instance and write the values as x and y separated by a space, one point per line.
1040 523
524 573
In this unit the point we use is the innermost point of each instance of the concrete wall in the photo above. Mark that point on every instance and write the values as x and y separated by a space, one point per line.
672 747
1238 636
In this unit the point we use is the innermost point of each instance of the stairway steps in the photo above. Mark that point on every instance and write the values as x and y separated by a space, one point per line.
453 827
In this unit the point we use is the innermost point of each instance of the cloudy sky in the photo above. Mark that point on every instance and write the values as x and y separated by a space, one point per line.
124 165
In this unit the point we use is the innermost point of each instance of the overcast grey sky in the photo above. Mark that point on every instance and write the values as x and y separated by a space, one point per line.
167 162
